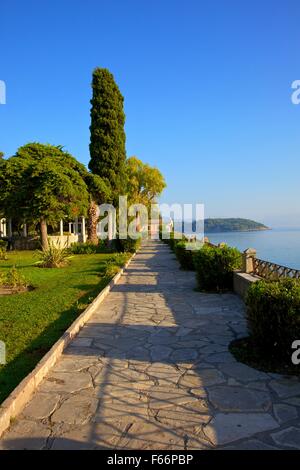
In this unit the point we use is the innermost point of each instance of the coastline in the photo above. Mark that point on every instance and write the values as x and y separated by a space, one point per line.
240 231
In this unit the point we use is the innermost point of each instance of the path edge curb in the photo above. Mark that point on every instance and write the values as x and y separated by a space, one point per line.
19 397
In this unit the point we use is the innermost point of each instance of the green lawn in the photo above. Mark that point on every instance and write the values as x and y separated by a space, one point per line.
32 321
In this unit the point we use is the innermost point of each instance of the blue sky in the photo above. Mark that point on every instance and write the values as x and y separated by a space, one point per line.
207 89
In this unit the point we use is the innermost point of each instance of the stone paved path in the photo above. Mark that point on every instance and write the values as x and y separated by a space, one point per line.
151 370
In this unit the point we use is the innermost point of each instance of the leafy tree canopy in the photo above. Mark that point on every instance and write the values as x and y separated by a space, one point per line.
144 183
107 145
44 182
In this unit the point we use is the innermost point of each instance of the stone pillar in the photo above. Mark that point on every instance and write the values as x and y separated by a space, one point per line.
248 260
24 230
3 227
70 227
83 229
61 228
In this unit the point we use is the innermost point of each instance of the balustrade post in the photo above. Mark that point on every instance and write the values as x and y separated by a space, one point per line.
83 230
24 230
61 228
248 260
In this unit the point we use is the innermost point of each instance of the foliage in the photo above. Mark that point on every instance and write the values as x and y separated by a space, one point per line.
87 248
12 278
273 314
31 323
184 256
173 239
3 248
54 257
98 188
246 350
144 183
43 184
215 266
128 245
107 144
3 253
115 263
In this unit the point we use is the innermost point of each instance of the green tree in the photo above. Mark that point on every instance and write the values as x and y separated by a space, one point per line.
1 155
107 144
144 183
43 184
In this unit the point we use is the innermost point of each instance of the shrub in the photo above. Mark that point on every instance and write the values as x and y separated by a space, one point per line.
80 248
87 248
128 245
3 244
3 254
54 257
215 266
115 263
12 278
173 240
3 248
184 256
273 315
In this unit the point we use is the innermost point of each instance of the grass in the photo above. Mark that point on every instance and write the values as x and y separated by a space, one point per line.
246 351
32 321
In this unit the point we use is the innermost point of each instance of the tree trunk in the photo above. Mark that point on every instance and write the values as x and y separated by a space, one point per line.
92 223
44 234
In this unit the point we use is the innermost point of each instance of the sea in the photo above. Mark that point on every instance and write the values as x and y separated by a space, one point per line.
280 246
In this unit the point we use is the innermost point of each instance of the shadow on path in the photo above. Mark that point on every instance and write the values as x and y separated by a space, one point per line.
151 370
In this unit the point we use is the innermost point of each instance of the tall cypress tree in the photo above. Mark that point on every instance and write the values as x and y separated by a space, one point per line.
107 145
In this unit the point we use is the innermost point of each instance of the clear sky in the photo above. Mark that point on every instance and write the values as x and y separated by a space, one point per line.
207 87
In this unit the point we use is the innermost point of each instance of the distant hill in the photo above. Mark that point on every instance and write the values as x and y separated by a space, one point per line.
232 225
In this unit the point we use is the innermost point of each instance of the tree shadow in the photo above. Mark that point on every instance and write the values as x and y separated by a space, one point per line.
151 352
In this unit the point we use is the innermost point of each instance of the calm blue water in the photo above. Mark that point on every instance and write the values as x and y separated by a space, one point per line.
278 245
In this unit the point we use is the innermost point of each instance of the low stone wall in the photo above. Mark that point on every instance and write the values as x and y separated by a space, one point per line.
64 241
242 282
33 243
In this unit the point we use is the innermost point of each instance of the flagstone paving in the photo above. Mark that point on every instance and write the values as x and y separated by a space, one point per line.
152 370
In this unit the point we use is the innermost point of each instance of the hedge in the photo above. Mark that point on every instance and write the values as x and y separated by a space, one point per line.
273 315
184 256
128 245
215 266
